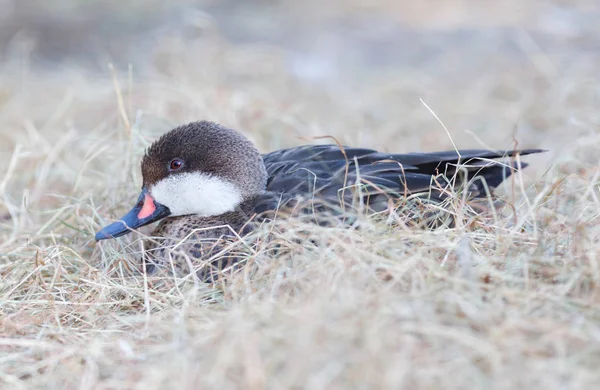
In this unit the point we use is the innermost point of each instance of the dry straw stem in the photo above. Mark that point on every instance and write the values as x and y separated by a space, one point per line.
500 301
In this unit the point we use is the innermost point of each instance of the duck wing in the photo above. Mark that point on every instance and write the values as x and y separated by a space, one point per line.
324 170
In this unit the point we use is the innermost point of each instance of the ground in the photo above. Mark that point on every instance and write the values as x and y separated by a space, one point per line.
499 303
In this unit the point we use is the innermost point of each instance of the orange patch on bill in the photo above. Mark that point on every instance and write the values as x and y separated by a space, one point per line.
148 208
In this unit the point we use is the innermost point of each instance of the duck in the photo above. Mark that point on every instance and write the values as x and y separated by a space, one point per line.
206 185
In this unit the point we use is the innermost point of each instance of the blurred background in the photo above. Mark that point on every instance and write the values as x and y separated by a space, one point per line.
498 74
475 62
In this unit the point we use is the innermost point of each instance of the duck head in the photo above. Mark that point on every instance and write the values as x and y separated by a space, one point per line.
200 168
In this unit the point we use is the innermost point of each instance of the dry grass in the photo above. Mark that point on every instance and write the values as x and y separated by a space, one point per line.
501 303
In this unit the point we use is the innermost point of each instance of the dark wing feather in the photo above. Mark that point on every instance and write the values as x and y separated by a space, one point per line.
325 171
439 162
315 166
328 153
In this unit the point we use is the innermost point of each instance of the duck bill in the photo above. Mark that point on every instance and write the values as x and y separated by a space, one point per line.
144 212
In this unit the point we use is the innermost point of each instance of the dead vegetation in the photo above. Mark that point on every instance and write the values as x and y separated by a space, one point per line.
503 302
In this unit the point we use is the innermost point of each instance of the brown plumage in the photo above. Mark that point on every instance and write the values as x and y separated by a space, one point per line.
177 243
210 148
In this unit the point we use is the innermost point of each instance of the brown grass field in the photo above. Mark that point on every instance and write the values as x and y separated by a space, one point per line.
510 301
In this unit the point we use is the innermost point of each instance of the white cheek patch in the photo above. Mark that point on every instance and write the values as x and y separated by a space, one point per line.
196 193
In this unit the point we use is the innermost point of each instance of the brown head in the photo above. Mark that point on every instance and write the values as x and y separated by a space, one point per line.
201 168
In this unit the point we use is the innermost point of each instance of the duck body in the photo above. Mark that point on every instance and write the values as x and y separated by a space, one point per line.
210 185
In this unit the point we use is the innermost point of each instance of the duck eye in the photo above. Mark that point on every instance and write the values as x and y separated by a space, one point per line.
175 164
